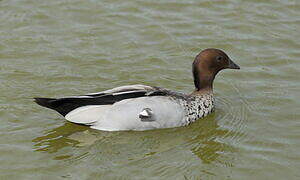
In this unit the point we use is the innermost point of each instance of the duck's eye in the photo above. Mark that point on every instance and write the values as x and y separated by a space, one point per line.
219 58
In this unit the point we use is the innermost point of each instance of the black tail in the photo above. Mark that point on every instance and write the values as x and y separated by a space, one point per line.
46 102
65 105
59 105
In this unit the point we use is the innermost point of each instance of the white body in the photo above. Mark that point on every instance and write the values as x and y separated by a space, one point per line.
124 115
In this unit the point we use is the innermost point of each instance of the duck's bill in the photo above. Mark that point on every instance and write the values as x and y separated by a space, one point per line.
232 65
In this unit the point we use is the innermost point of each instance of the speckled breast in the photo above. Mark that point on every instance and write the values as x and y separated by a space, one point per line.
197 107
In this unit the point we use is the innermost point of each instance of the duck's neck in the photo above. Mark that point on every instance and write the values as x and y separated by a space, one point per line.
203 82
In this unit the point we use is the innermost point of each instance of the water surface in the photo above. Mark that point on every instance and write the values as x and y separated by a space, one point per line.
61 48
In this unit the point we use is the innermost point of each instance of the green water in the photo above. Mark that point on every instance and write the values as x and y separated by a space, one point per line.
61 48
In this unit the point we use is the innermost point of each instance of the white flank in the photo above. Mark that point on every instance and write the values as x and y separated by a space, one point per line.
124 115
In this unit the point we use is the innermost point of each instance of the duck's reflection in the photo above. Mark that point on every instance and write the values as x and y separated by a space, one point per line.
58 138
203 138
209 144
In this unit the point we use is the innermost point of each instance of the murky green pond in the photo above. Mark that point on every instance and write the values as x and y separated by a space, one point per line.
60 48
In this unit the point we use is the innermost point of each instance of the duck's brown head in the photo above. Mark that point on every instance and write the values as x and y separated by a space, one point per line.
207 64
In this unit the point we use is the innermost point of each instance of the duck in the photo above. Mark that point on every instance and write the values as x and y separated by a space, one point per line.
143 107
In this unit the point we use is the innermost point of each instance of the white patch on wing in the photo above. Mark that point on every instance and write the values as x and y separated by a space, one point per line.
135 87
144 113
126 92
79 96
87 114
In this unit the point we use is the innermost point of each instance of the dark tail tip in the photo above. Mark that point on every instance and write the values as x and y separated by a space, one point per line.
46 102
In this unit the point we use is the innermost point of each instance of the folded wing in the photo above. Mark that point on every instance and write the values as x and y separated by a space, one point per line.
68 104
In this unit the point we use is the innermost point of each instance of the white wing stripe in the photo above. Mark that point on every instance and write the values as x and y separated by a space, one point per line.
124 89
126 92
